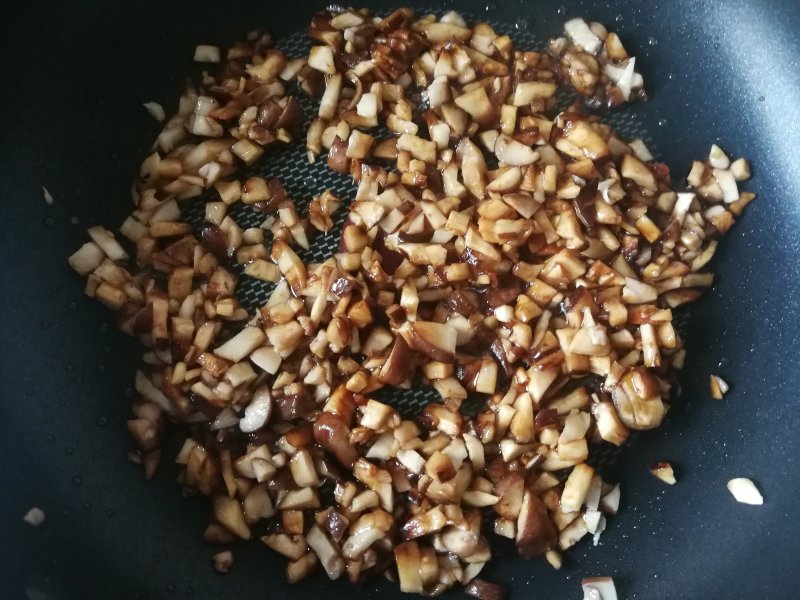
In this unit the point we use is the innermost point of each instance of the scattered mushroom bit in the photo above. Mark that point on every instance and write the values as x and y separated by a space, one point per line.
34 517
593 61
156 111
527 259
599 588
718 387
745 491
663 471
222 561
484 590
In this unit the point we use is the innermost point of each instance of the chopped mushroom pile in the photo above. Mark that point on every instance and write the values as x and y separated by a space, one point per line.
493 251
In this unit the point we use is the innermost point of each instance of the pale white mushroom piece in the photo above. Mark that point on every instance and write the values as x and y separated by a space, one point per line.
745 491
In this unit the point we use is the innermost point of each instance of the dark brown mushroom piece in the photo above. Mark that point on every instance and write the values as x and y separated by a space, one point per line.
484 590
536 532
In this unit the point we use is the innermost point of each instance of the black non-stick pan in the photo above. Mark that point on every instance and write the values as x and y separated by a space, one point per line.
74 77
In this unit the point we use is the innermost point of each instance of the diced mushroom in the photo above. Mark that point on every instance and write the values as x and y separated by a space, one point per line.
610 502
222 561
156 111
378 480
436 340
740 169
107 243
292 548
407 557
638 401
258 412
228 511
485 590
326 552
636 170
476 103
609 425
321 59
241 345
512 152
87 258
581 35
745 491
536 533
663 471
301 568
204 53
34 517
718 387
369 529
599 588
576 488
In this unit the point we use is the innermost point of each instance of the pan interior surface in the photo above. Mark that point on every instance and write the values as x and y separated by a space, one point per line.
721 72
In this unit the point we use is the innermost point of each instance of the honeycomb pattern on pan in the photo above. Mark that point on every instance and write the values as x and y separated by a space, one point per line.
303 180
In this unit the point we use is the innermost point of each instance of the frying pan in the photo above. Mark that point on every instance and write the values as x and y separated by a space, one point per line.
721 71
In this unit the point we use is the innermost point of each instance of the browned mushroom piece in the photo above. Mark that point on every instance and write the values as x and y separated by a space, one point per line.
222 561
397 367
638 400
511 490
332 433
485 590
536 532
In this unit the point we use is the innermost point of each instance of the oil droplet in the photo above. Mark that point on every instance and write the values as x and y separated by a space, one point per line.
87 505
102 421
104 327
716 46
189 591
77 481
95 455
127 393
49 222
74 221
723 363
45 324
490 7
663 122
521 24
171 588
101 368
69 451
72 305
618 18
761 98
78 380
651 41
50 438
562 10
670 75
70 368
